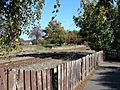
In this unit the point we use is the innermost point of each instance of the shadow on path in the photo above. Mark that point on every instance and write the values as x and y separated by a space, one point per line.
107 77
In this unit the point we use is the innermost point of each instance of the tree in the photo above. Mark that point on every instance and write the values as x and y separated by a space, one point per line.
72 37
116 27
97 19
95 23
36 34
55 33
17 15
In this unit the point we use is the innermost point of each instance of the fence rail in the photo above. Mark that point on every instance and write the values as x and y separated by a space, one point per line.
64 77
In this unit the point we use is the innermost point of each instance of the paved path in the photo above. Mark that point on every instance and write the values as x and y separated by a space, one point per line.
107 77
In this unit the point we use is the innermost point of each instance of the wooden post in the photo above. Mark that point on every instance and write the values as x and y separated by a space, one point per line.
64 77
33 80
68 76
59 77
44 79
12 79
3 79
48 79
27 84
39 80
20 80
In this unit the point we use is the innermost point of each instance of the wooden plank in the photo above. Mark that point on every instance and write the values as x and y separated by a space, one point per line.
72 76
48 80
99 56
59 77
39 80
3 79
95 58
20 80
44 79
54 73
68 71
69 78
74 73
12 79
87 65
27 85
33 80
79 70
62 69
83 67
92 61
65 77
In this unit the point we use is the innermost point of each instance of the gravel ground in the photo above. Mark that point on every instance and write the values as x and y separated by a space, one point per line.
43 65
15 59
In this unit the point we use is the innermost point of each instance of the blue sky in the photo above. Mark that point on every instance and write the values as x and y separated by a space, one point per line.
65 15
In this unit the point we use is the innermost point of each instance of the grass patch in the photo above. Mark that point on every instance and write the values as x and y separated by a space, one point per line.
33 47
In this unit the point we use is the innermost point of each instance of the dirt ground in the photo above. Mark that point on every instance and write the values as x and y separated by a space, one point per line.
34 57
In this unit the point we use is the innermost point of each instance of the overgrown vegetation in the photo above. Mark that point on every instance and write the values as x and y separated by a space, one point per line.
99 23
56 34
15 17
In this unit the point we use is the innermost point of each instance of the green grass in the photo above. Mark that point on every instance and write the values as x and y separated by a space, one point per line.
33 47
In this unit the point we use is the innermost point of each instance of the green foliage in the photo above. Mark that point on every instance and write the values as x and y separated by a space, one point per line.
36 42
96 23
16 17
116 27
55 34
45 42
72 37
99 23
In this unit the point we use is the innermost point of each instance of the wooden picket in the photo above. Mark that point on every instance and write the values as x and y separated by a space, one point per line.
63 77
20 80
39 80
3 79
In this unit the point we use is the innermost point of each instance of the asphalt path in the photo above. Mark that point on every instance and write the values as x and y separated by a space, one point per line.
107 77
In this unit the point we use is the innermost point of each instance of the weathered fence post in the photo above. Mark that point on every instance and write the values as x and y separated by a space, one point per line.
3 79
65 77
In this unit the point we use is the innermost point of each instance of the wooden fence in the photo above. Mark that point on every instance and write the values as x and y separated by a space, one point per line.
112 55
64 77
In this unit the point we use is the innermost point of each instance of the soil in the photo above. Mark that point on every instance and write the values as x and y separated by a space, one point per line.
44 59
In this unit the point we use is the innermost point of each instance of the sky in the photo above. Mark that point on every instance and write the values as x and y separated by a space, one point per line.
65 15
